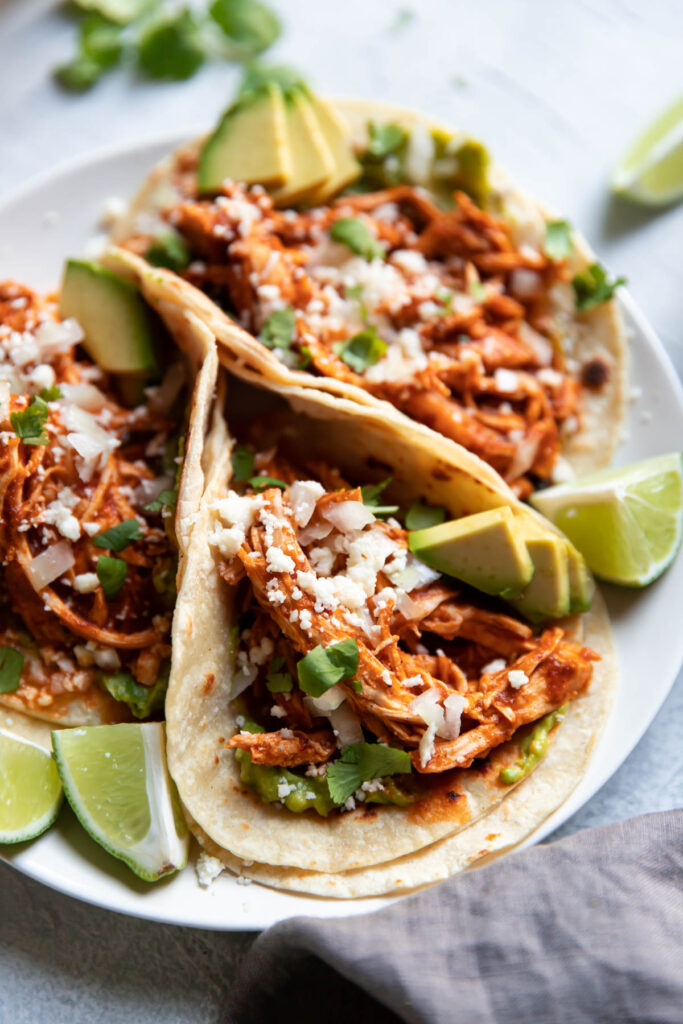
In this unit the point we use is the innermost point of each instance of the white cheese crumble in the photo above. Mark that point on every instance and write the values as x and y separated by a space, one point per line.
86 582
208 869
278 561
517 678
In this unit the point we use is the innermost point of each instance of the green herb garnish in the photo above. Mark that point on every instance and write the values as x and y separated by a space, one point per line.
558 239
362 350
166 499
260 483
120 11
279 682
305 358
361 762
11 663
111 572
250 26
170 250
278 330
323 667
477 291
594 287
385 139
356 236
242 463
143 701
171 47
120 536
51 394
28 425
370 494
420 516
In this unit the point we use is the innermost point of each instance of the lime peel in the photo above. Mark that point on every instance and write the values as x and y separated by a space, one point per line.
30 790
116 779
651 172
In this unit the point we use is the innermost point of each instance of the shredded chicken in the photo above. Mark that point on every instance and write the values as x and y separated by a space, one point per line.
286 748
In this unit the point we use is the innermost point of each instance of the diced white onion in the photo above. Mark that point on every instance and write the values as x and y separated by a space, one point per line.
314 531
53 337
524 283
242 680
453 707
303 497
50 564
4 400
328 701
348 516
85 396
346 725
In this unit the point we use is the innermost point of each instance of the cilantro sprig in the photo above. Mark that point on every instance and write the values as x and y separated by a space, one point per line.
278 681
111 572
260 483
324 667
357 237
362 350
11 664
594 287
51 394
120 536
278 329
242 463
250 27
170 250
362 762
370 494
29 424
558 239
167 499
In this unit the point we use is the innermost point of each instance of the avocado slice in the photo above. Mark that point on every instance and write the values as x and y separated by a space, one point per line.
312 161
485 550
547 595
250 143
113 315
581 585
337 135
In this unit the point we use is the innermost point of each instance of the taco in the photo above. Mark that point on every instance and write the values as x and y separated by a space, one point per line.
103 409
354 711
415 273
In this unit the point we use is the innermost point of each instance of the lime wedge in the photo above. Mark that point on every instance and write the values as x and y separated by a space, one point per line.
30 791
626 522
115 778
652 170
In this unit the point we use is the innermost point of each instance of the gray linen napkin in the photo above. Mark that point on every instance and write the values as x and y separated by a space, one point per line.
587 930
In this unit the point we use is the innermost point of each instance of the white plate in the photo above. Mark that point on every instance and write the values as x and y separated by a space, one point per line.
57 216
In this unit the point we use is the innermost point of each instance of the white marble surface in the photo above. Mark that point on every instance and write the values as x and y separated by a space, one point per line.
557 90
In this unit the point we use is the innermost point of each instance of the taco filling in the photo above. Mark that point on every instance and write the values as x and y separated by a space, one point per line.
361 675
87 482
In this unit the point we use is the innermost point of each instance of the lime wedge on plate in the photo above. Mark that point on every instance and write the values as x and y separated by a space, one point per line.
626 522
30 791
115 778
652 170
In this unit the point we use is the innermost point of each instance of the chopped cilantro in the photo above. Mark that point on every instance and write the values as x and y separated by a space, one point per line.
594 287
28 425
279 682
171 46
120 11
558 239
323 667
370 494
166 499
420 516
79 74
362 350
119 536
242 463
143 701
168 250
304 357
385 139
361 762
111 572
356 235
100 39
11 663
250 27
260 483
477 291
278 330
51 394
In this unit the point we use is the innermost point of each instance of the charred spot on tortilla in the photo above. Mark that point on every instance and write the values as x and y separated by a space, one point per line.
595 373
209 681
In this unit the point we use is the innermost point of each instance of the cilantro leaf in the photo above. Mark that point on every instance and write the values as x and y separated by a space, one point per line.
362 350
171 47
260 483
242 463
356 236
28 424
143 701
323 667
120 11
361 762
111 572
558 239
278 330
120 536
304 357
594 287
51 394
250 26
79 74
167 499
385 139
170 250
100 40
420 516
370 494
11 663
279 682
477 291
